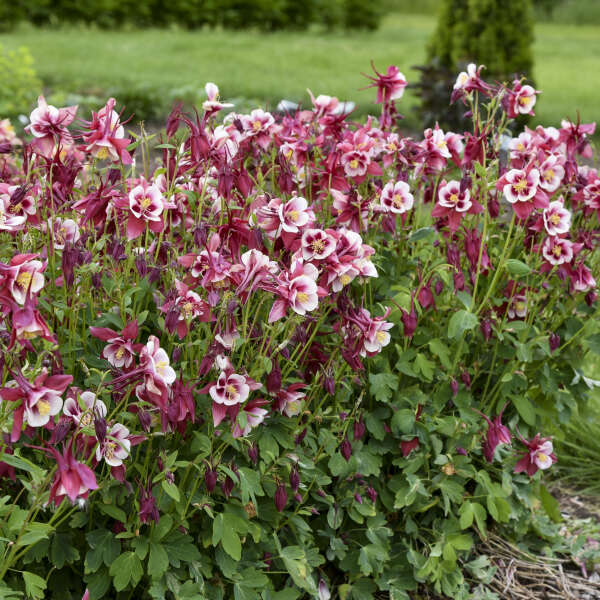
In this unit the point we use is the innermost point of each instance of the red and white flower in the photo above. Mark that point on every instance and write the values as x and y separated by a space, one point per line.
396 198
558 251
317 244
115 447
48 125
552 173
539 455
557 219
81 407
105 136
522 189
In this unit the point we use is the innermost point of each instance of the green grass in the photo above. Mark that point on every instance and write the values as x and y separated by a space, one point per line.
267 67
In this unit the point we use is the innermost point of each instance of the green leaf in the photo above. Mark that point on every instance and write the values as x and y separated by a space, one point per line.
593 342
171 489
460 322
382 385
421 234
158 562
550 504
440 349
525 409
294 559
125 570
34 585
113 511
163 527
34 533
61 550
103 548
480 517
224 530
403 421
517 267
466 515
425 366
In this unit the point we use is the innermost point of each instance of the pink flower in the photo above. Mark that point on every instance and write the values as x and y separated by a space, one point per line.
213 104
551 173
355 163
453 202
469 81
539 455
324 105
10 219
21 279
518 307
41 399
317 244
557 219
298 290
288 401
294 214
497 434
146 204
390 86
48 125
396 198
255 415
105 136
115 447
521 100
82 407
158 374
521 188
230 389
582 279
72 479
558 251
63 231
120 351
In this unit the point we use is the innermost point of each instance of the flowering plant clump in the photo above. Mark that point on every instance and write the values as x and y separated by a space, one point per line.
286 355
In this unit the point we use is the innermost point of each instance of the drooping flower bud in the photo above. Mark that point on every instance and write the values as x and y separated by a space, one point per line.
100 427
346 449
300 437
294 479
454 386
486 329
253 453
227 486
358 498
408 446
210 480
329 385
359 430
280 497
590 298
466 379
274 378
60 431
554 341
324 593
372 494
145 419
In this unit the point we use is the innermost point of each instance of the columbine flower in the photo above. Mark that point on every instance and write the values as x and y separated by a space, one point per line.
120 351
558 251
105 136
390 86
521 188
158 374
115 447
453 202
294 214
317 244
22 278
289 400
83 415
557 219
539 455
255 415
213 104
521 100
72 479
48 125
396 198
497 434
63 231
552 173
146 204
518 307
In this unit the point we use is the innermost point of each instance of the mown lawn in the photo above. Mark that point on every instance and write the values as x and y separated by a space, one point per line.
267 67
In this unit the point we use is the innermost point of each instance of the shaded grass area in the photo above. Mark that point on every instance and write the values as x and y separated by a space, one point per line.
267 67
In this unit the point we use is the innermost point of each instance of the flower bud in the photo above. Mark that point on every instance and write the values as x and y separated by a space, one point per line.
329 385
554 341
358 498
466 379
454 386
372 494
590 298
294 479
145 420
359 430
298 498
60 431
253 453
439 286
280 497
210 480
141 265
100 427
324 593
274 378
227 486
300 437
346 449
486 329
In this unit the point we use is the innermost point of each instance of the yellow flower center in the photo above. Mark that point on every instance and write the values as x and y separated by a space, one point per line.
294 214
230 391
146 202
398 201
102 153
442 144
381 336
302 297
354 164
520 306
454 198
16 207
160 365
557 251
520 147
555 219
318 246
549 175
345 279
542 457
43 407
392 147
86 419
24 279
109 450
524 100
520 186
187 308
256 125
119 353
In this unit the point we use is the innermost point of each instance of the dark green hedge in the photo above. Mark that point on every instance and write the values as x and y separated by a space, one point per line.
267 15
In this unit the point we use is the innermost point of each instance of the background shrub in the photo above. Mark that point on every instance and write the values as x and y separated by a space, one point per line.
20 85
